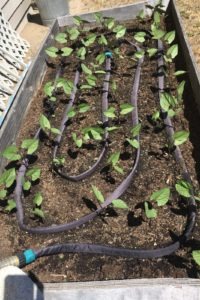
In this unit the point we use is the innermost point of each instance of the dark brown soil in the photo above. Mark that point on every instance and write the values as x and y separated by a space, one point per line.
65 201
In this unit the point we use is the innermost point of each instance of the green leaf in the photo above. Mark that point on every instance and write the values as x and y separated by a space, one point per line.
48 89
110 22
8 177
83 108
78 142
118 203
91 80
55 131
100 58
11 154
170 36
100 72
196 256
141 14
81 53
118 169
3 194
114 158
161 196
156 116
98 194
37 200
156 17
86 87
134 143
120 31
164 102
135 131
27 185
98 17
44 123
96 135
110 113
51 51
61 38
152 51
73 33
10 206
71 112
67 85
183 188
126 108
34 173
66 51
158 34
150 213
31 145
179 73
180 89
139 54
86 70
172 52
77 20
180 137
171 113
140 36
109 129
89 40
102 40
38 212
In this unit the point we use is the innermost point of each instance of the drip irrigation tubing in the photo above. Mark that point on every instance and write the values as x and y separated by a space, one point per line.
94 167
137 253
108 250
114 195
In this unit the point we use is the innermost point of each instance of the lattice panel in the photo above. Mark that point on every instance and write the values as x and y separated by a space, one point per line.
13 50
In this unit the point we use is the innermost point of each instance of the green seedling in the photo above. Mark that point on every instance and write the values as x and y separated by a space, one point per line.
113 160
161 196
150 213
37 210
117 203
184 188
46 126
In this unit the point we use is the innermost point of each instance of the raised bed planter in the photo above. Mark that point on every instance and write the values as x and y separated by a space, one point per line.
125 13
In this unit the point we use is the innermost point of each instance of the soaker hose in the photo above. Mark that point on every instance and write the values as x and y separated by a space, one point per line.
126 252
114 195
105 91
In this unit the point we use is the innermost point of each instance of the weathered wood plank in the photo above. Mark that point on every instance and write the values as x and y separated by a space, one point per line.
19 13
33 79
2 3
120 13
10 8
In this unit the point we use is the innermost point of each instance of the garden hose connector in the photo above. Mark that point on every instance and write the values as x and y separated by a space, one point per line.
108 54
19 260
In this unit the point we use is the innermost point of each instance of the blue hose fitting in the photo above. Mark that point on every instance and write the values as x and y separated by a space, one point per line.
108 54
30 256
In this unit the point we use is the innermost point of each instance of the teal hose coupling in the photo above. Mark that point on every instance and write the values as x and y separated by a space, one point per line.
108 54
26 258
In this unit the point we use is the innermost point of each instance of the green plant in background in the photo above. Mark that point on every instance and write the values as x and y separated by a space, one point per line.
46 126
113 160
37 210
117 203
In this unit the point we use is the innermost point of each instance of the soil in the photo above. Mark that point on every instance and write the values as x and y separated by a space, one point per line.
65 201
189 10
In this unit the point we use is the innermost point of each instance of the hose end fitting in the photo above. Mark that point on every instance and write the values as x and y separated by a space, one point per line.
108 54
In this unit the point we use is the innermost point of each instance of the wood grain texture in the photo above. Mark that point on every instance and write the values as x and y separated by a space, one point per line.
31 83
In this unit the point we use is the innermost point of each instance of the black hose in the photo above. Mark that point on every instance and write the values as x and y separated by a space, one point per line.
136 253
114 195
94 167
